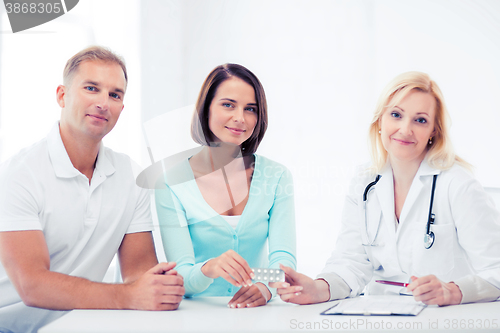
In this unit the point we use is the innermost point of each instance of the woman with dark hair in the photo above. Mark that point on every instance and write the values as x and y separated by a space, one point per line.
218 208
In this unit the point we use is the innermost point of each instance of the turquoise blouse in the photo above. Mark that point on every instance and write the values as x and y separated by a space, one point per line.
193 233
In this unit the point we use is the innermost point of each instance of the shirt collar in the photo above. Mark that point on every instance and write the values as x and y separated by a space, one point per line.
61 163
59 156
103 164
423 170
426 170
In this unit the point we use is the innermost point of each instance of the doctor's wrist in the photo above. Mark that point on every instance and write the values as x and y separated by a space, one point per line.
455 293
322 291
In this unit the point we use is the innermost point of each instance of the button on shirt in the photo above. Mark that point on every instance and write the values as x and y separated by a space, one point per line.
83 225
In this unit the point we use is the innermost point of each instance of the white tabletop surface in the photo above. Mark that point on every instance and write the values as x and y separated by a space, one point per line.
211 314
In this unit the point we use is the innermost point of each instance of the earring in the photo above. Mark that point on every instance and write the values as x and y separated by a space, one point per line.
380 132
430 140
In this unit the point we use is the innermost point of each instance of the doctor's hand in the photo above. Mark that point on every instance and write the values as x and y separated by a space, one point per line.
430 290
231 267
301 289
250 296
160 288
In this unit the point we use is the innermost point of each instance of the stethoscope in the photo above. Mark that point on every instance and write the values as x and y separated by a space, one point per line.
429 237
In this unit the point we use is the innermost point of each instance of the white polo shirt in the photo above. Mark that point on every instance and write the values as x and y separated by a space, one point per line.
83 225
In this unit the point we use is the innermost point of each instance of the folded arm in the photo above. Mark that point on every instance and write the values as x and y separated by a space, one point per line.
25 257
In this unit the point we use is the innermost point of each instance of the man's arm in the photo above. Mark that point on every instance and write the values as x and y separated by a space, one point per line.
25 257
136 255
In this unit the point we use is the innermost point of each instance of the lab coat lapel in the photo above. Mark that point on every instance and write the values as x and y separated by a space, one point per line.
385 196
415 191
411 197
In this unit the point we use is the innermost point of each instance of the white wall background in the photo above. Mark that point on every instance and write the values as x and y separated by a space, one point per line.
323 64
32 62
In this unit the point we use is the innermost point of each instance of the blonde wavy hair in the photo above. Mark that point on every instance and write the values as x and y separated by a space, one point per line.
440 153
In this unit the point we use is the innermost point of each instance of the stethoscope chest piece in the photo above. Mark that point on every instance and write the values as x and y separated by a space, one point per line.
428 240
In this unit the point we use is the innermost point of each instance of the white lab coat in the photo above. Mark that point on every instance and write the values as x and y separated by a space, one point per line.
466 228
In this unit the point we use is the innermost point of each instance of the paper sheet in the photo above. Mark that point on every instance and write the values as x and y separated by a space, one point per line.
377 306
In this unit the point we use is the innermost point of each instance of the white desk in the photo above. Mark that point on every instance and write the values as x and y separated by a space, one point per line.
212 315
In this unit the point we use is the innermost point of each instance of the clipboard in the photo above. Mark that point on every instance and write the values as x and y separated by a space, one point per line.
377 305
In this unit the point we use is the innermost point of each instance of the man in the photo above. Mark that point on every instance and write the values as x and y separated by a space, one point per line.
68 204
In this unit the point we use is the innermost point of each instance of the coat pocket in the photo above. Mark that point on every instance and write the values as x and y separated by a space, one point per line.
439 258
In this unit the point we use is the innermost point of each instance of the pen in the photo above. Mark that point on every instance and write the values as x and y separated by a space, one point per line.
393 283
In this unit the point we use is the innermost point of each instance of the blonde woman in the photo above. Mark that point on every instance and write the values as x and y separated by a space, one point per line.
416 216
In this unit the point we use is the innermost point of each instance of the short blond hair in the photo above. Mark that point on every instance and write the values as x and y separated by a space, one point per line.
440 153
92 53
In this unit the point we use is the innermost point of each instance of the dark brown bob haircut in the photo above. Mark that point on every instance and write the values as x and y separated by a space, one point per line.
200 131
92 53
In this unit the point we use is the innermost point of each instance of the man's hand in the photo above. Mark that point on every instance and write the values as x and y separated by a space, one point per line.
28 267
430 290
160 288
301 289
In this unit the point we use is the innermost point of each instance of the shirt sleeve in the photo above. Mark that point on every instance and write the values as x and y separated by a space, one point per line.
141 220
20 199
477 223
177 241
337 286
282 236
476 289
349 260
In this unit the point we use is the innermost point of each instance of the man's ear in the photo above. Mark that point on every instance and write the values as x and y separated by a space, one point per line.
60 93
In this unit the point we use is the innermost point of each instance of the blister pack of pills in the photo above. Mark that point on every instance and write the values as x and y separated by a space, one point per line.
268 275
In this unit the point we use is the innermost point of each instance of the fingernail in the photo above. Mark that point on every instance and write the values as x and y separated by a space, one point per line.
232 306
297 294
286 285
252 275
299 288
250 284
239 305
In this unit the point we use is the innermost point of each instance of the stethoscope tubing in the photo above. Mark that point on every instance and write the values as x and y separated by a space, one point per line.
367 188
430 219
430 237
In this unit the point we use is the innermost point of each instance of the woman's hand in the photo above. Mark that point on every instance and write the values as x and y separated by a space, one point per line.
301 289
231 267
430 290
249 297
